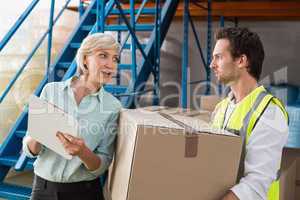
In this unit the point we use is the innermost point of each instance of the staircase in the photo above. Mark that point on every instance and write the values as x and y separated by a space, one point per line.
64 67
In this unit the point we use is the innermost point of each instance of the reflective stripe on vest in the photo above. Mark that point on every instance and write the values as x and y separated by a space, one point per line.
242 121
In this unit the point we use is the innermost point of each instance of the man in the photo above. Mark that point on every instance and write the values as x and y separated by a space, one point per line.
258 117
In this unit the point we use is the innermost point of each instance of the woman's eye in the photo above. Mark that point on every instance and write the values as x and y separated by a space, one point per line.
116 60
102 55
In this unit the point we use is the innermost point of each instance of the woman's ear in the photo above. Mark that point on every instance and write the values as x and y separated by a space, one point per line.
85 64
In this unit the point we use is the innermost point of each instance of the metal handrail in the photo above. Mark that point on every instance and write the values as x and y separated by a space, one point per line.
50 35
17 24
19 72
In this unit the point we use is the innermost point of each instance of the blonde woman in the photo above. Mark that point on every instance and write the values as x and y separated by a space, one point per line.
96 110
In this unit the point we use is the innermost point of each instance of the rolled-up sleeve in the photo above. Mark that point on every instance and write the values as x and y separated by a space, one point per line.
106 148
26 138
26 149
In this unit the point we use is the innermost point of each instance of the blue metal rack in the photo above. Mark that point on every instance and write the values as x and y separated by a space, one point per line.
185 50
92 19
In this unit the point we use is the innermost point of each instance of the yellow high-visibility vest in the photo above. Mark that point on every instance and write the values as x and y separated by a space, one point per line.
244 118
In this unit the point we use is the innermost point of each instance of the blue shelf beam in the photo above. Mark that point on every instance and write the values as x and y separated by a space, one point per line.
133 44
156 91
185 53
209 41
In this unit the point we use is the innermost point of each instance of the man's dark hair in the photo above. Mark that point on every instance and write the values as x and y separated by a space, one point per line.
243 41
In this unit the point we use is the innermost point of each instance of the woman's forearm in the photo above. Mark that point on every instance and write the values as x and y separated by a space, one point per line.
90 159
76 147
33 146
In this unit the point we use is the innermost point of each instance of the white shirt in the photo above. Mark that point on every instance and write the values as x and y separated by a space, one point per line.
263 153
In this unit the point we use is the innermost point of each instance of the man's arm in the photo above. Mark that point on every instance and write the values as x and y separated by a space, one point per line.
263 157
230 196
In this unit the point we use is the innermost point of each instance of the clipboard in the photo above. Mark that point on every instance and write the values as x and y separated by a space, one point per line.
45 119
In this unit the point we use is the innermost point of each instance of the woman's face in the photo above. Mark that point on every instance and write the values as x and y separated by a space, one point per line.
102 65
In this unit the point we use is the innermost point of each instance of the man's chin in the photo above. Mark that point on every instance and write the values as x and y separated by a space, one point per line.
224 82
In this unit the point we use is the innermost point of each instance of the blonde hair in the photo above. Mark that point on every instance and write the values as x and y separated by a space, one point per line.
91 43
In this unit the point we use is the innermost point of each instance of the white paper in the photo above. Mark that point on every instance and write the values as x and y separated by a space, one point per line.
45 120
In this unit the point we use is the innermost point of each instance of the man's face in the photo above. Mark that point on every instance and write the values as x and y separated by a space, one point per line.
223 64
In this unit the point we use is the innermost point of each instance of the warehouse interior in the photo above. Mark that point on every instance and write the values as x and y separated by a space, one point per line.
166 51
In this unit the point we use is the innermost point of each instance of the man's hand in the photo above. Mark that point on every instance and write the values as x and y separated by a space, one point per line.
230 196
73 145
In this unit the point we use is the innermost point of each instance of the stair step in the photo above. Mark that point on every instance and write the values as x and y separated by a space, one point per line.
124 66
11 161
66 65
115 89
116 27
127 46
138 27
9 191
20 133
145 11
75 45
22 162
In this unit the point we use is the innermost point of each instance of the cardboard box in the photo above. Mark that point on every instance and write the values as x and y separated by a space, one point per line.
156 159
290 175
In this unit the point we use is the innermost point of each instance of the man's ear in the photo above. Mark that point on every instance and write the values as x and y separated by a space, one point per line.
243 61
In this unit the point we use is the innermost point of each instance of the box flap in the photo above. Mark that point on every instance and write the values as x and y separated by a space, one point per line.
149 118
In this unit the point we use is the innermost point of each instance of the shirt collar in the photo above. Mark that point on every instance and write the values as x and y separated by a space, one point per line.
99 94
232 98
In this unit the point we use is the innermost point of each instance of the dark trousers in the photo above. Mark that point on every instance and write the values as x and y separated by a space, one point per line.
84 190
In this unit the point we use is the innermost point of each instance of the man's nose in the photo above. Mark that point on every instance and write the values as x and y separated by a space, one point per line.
212 64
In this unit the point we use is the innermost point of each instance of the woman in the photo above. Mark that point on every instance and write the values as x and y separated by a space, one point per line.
96 110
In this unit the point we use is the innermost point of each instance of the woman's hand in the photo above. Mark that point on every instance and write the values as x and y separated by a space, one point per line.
76 147
73 145
33 145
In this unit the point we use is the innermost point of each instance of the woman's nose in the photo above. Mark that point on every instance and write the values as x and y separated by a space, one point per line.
109 63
